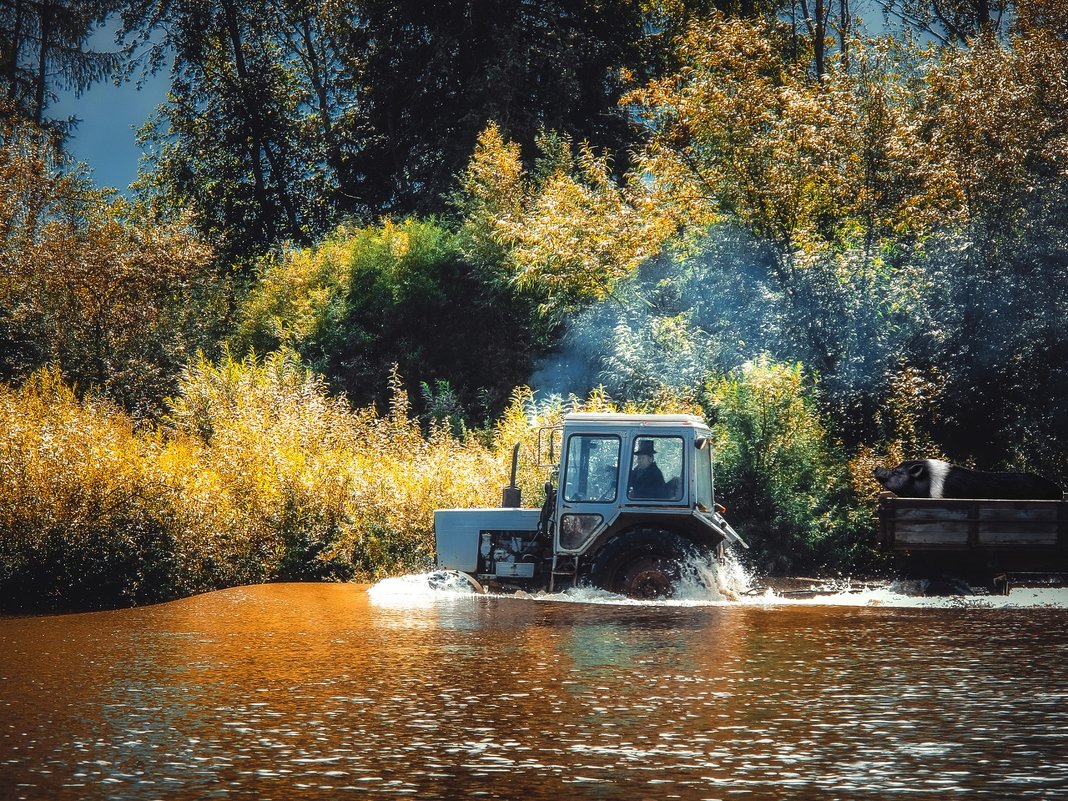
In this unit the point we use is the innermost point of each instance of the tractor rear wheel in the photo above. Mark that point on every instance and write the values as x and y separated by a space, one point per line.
642 563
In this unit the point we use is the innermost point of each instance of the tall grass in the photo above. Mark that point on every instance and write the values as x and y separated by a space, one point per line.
257 474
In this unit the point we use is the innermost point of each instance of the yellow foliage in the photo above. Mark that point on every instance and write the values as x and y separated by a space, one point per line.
741 131
296 293
997 109
95 282
570 229
258 474
492 195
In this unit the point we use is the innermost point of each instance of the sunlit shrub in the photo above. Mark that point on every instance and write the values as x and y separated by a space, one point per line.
324 491
257 474
84 519
781 474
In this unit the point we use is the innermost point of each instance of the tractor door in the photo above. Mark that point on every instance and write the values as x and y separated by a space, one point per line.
589 487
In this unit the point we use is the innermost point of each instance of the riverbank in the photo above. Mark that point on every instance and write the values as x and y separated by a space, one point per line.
259 474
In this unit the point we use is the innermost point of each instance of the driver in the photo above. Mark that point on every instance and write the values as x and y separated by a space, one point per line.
646 480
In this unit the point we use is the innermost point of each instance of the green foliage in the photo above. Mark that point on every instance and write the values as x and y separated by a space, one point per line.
782 475
393 294
285 119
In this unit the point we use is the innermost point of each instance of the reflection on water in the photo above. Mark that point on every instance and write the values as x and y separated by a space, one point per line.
328 691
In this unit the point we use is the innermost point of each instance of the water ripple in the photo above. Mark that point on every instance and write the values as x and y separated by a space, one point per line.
319 691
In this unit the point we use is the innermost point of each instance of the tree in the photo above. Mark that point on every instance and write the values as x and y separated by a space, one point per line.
952 22
447 69
566 230
399 294
826 169
121 301
242 143
997 127
93 283
44 47
34 187
288 117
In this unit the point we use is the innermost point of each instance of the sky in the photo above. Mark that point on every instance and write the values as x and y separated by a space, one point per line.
109 118
106 136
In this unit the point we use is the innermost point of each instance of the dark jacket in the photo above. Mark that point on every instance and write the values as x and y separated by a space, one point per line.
647 483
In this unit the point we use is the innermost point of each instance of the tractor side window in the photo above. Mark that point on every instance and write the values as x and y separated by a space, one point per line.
704 499
592 470
656 469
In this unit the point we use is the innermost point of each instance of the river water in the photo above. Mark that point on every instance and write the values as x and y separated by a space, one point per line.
327 691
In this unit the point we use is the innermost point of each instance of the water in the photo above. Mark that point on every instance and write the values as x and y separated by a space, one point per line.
330 691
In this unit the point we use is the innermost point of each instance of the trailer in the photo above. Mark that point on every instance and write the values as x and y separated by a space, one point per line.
1001 542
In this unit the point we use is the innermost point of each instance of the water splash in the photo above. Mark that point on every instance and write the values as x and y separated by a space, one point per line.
906 597
711 579
421 589
726 582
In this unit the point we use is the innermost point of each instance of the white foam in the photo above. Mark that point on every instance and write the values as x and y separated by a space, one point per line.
1020 598
420 588
723 583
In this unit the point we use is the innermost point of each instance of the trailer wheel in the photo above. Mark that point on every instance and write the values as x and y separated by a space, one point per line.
645 563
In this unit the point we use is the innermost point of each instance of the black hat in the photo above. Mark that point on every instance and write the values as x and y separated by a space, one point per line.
645 448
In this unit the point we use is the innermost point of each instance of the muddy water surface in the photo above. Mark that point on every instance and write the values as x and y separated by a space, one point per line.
331 692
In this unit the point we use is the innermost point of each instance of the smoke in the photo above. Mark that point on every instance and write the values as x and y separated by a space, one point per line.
683 317
680 318
846 316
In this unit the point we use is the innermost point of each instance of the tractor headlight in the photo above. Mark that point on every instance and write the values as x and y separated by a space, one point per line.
576 530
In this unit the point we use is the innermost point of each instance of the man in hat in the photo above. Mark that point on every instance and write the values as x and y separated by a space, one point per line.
646 480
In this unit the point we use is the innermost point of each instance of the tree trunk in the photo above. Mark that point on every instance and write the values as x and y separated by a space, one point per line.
845 22
16 48
254 144
819 35
41 79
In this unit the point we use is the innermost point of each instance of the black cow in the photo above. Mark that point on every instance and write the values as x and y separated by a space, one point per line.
931 478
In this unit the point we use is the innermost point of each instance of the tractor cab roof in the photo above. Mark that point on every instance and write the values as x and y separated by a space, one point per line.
617 420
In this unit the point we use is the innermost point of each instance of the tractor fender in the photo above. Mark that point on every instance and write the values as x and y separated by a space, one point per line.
685 525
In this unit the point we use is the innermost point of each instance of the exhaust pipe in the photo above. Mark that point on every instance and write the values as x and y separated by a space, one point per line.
512 497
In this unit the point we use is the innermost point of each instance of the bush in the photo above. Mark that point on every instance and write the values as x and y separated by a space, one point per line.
257 475
781 474
84 519
394 293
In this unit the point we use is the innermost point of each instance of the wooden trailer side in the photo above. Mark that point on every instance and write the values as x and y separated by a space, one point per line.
949 524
